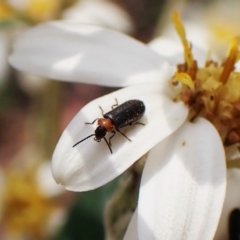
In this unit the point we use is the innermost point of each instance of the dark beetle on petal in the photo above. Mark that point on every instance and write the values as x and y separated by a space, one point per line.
128 113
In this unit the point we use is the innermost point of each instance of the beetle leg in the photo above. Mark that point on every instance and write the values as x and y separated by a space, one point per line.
92 122
124 135
109 144
101 110
132 124
109 140
116 104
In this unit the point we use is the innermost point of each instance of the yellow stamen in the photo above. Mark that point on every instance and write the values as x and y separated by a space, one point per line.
185 79
229 64
238 57
25 209
211 91
182 34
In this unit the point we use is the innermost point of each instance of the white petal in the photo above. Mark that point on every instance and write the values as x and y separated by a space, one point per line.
19 4
232 201
169 49
90 164
100 13
30 83
197 34
46 183
237 66
174 51
56 222
132 230
183 185
72 51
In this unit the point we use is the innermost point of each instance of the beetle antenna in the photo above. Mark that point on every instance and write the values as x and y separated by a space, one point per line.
108 145
83 140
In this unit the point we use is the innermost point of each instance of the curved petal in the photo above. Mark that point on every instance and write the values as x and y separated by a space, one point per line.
193 30
100 13
232 201
72 51
183 185
90 164
174 54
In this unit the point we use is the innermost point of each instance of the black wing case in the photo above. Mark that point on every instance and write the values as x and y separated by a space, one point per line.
126 113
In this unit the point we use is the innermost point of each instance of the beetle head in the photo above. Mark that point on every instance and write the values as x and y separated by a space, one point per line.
100 133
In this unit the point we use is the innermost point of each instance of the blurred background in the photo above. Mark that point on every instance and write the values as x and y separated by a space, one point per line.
34 112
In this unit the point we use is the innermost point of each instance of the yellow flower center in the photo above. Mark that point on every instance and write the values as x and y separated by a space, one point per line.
211 91
6 12
25 210
42 10
33 10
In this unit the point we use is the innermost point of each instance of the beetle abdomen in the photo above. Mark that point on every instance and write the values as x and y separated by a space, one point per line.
126 113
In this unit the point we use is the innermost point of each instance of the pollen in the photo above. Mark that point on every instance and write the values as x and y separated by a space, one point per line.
211 91
6 12
42 10
25 210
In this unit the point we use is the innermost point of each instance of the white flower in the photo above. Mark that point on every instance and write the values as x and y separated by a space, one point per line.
183 183
98 12
101 13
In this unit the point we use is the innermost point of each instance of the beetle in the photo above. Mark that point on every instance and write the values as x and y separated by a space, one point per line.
128 113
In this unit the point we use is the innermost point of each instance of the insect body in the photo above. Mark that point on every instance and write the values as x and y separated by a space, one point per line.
122 115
